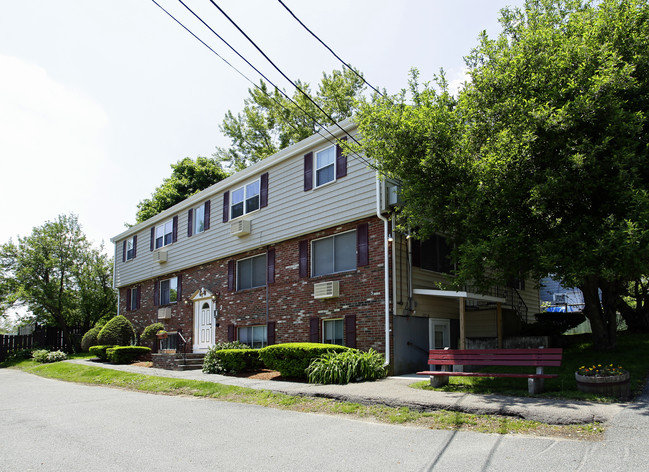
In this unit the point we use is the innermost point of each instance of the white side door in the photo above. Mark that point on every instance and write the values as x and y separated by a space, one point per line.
439 333
204 324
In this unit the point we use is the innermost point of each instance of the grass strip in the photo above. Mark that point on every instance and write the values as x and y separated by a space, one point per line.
440 419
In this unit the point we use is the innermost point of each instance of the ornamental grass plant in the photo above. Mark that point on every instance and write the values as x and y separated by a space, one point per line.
347 366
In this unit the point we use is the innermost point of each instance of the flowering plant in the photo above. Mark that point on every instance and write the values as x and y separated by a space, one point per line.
599 370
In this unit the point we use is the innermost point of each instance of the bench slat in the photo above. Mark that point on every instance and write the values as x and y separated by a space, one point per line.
485 374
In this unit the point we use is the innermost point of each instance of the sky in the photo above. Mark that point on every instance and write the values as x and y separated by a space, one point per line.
98 99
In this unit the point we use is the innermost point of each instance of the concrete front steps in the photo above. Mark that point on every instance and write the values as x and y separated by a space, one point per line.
178 361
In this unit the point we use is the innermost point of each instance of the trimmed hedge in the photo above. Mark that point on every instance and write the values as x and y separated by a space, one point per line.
213 363
90 338
232 361
126 354
100 351
118 331
344 367
150 331
292 359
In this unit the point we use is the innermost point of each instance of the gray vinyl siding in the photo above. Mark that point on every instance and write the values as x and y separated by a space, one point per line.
291 212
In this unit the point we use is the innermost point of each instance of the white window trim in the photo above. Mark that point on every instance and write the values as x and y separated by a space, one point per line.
265 272
163 225
160 291
315 167
133 299
332 320
312 254
195 219
130 243
245 198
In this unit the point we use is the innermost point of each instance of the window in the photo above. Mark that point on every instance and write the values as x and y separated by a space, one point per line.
199 219
251 272
434 254
133 298
169 291
332 331
253 336
164 234
130 248
334 254
245 199
325 166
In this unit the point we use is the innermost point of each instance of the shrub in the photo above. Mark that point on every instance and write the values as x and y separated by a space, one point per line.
292 359
150 331
20 355
232 361
126 354
40 355
100 351
553 323
90 338
347 366
118 331
213 364
44 356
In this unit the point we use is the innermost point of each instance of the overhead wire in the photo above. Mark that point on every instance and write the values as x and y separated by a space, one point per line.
329 49
246 77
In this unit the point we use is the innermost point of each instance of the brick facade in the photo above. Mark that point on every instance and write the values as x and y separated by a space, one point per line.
288 302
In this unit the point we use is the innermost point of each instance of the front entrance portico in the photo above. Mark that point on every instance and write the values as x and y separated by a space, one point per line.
204 319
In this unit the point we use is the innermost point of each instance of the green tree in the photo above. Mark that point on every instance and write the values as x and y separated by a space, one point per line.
270 122
97 300
48 271
540 166
188 177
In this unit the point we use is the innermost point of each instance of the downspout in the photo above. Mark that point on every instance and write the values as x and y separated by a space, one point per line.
394 266
115 278
386 267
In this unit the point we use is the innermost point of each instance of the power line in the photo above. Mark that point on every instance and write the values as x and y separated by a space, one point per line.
281 72
245 77
329 49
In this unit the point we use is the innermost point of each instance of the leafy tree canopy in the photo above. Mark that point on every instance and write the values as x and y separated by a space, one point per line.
270 122
60 278
188 177
541 163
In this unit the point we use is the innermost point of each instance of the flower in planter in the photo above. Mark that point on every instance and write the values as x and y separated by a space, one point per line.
599 370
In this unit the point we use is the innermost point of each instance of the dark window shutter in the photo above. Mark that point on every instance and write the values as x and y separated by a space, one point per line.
124 251
190 222
341 161
416 253
134 246
231 332
152 238
350 331
308 171
138 297
270 332
156 293
174 231
270 266
304 258
314 330
128 299
208 207
226 206
180 287
263 192
231 276
362 245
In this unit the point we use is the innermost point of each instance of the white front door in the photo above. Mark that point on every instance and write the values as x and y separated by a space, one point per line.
204 324
439 333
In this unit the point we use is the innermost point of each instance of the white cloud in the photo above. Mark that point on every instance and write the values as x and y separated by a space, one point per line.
457 82
51 147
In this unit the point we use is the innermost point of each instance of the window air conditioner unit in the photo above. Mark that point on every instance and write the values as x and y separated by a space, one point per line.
160 256
164 313
326 290
240 228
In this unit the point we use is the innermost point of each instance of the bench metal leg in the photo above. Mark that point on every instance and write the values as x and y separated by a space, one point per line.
535 386
438 380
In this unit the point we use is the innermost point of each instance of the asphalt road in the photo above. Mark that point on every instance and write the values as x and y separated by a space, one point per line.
48 425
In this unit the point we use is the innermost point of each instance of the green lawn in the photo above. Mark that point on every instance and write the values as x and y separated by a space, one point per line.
632 354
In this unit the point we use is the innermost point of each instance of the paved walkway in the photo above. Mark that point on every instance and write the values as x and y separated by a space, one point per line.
395 391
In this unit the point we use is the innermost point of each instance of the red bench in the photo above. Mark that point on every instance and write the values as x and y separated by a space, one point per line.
539 358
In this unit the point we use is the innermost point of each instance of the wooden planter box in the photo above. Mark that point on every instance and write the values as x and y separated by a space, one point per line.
614 386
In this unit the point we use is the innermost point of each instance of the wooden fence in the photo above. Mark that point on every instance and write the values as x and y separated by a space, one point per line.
42 337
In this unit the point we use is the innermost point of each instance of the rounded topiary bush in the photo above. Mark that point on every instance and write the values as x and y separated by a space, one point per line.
118 331
90 338
150 331
292 359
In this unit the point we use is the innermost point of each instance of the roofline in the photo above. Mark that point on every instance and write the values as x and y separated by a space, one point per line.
238 177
